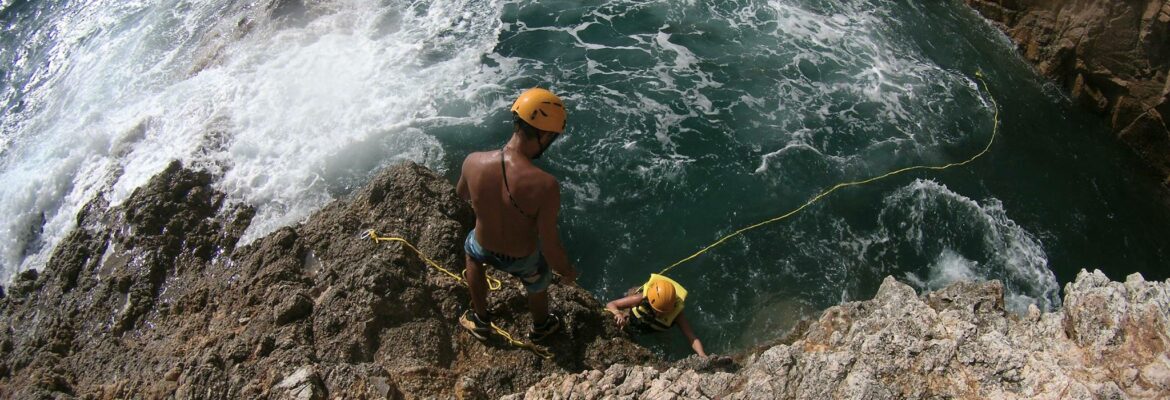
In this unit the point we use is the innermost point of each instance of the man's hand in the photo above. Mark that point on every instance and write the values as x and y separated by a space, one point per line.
620 308
621 318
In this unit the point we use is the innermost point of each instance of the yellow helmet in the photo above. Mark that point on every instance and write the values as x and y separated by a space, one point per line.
542 109
661 296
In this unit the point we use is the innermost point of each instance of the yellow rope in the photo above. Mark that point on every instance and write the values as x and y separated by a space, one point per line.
545 354
994 131
493 284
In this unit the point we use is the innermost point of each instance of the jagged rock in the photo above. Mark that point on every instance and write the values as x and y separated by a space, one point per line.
1112 56
304 384
24 283
154 299
137 308
293 308
1108 341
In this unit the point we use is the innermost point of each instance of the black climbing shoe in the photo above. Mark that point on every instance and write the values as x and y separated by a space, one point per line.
475 326
551 324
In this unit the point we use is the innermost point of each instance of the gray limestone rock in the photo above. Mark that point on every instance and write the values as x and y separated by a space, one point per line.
1108 341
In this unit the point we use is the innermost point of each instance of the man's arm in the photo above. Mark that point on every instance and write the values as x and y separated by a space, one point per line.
461 188
618 307
685 326
546 225
624 303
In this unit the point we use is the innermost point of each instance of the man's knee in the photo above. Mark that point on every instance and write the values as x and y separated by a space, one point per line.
542 279
473 273
472 265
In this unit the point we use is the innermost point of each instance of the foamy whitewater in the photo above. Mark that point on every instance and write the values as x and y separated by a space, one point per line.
687 121
288 117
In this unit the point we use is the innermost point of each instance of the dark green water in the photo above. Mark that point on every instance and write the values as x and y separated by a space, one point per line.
689 120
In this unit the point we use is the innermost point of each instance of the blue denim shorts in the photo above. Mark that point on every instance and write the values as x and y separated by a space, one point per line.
532 270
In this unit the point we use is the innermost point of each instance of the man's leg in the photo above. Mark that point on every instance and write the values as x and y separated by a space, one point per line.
477 285
538 306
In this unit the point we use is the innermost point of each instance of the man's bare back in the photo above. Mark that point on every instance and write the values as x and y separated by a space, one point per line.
507 228
501 226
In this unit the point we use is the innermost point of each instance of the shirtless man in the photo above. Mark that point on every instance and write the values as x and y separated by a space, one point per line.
516 205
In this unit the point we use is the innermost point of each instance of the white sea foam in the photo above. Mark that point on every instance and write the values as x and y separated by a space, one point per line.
287 117
845 66
969 241
948 268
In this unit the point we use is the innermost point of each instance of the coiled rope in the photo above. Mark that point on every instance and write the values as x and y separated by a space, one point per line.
493 284
818 197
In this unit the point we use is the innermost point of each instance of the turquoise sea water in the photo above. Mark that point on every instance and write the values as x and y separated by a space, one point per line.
687 121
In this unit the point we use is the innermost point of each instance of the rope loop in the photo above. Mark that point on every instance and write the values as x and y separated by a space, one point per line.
493 284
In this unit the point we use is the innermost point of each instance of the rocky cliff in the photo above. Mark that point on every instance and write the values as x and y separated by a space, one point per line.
1108 342
152 299
1113 56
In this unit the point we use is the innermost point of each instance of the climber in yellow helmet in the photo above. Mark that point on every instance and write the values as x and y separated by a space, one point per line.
655 306
516 205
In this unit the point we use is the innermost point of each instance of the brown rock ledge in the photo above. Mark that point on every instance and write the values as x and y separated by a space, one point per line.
152 299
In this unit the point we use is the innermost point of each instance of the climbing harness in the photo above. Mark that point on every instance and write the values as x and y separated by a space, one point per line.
493 284
994 131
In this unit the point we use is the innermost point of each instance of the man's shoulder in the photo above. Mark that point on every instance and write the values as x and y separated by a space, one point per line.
476 158
479 155
545 180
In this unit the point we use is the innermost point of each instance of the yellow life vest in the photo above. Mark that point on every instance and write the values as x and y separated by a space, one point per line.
660 321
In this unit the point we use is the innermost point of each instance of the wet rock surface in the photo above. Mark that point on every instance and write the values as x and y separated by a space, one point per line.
153 299
1112 56
1108 341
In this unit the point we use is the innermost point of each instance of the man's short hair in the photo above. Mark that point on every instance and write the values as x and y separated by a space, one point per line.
530 131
